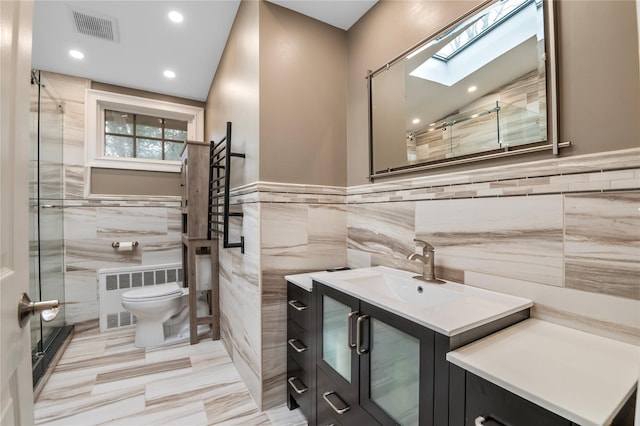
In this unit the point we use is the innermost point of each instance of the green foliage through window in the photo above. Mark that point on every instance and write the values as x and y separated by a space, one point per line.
143 136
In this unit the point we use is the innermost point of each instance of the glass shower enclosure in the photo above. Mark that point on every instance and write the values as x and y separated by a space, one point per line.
46 232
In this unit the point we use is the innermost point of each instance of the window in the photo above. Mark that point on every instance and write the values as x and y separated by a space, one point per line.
143 136
495 15
129 132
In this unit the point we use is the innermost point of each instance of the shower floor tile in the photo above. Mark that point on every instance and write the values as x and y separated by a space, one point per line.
103 379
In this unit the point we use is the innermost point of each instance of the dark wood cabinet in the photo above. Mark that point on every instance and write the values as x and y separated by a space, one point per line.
385 368
300 351
478 401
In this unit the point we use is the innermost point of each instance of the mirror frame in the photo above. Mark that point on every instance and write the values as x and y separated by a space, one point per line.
552 142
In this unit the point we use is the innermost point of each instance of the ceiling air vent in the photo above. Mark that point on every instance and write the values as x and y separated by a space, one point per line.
94 25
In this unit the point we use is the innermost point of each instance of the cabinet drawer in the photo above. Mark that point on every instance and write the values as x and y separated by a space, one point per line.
299 305
299 345
331 400
298 386
501 407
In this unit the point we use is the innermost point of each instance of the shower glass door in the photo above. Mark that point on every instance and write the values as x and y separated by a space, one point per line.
46 196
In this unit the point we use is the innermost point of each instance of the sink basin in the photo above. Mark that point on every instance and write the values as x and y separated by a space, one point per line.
407 289
449 308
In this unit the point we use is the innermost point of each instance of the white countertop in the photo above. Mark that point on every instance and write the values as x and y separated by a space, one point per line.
303 281
448 309
580 376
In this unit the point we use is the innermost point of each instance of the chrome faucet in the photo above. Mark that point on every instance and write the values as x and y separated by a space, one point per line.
427 258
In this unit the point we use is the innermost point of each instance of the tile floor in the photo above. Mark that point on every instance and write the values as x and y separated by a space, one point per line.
103 379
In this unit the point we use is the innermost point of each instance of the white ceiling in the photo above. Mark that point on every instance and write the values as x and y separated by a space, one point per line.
148 42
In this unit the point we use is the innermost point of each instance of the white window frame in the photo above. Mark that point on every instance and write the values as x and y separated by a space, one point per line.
97 101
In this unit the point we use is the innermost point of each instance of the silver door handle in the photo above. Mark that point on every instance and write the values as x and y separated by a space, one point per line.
359 349
48 309
349 329
479 421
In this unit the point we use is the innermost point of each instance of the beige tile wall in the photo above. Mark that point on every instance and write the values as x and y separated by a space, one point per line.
563 232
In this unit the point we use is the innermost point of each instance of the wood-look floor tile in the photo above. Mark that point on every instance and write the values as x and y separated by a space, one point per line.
180 384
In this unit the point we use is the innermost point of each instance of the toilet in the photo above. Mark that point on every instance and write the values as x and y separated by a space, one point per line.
162 313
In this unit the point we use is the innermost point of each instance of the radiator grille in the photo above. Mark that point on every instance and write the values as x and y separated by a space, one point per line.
113 282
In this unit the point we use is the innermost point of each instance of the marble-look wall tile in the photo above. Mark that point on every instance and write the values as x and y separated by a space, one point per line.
382 228
295 238
74 132
80 223
74 180
518 238
124 222
602 243
327 227
605 315
239 281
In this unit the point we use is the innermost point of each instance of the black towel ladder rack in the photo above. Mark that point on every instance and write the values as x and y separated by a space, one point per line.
219 176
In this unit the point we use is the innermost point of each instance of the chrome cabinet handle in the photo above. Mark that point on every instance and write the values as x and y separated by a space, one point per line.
294 382
333 406
297 305
297 345
350 328
359 349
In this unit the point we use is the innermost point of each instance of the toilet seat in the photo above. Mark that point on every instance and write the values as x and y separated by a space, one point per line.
153 293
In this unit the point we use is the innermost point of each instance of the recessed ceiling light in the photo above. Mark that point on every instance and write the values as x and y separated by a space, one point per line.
169 74
76 54
175 16
472 89
416 121
475 115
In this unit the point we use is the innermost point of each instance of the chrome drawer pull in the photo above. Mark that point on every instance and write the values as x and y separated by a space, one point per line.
294 382
342 410
297 345
298 306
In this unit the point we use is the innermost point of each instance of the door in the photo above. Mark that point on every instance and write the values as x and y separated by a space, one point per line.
16 393
396 368
337 373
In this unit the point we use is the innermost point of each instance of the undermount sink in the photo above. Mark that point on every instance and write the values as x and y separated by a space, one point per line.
450 308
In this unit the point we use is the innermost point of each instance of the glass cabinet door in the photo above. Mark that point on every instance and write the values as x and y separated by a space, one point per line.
397 370
394 374
335 349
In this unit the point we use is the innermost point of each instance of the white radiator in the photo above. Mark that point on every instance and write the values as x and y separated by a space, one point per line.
115 281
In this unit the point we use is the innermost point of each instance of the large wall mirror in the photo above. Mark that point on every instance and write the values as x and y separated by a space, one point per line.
482 87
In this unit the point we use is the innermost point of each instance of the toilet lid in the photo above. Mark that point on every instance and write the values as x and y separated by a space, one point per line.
153 292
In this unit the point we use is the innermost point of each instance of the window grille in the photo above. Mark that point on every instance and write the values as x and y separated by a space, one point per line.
143 136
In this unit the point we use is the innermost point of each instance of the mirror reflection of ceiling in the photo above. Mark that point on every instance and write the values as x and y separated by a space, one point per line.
485 51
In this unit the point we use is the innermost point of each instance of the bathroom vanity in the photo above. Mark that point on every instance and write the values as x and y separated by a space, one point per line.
379 339
376 346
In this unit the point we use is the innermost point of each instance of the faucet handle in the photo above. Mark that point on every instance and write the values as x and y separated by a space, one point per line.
426 247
